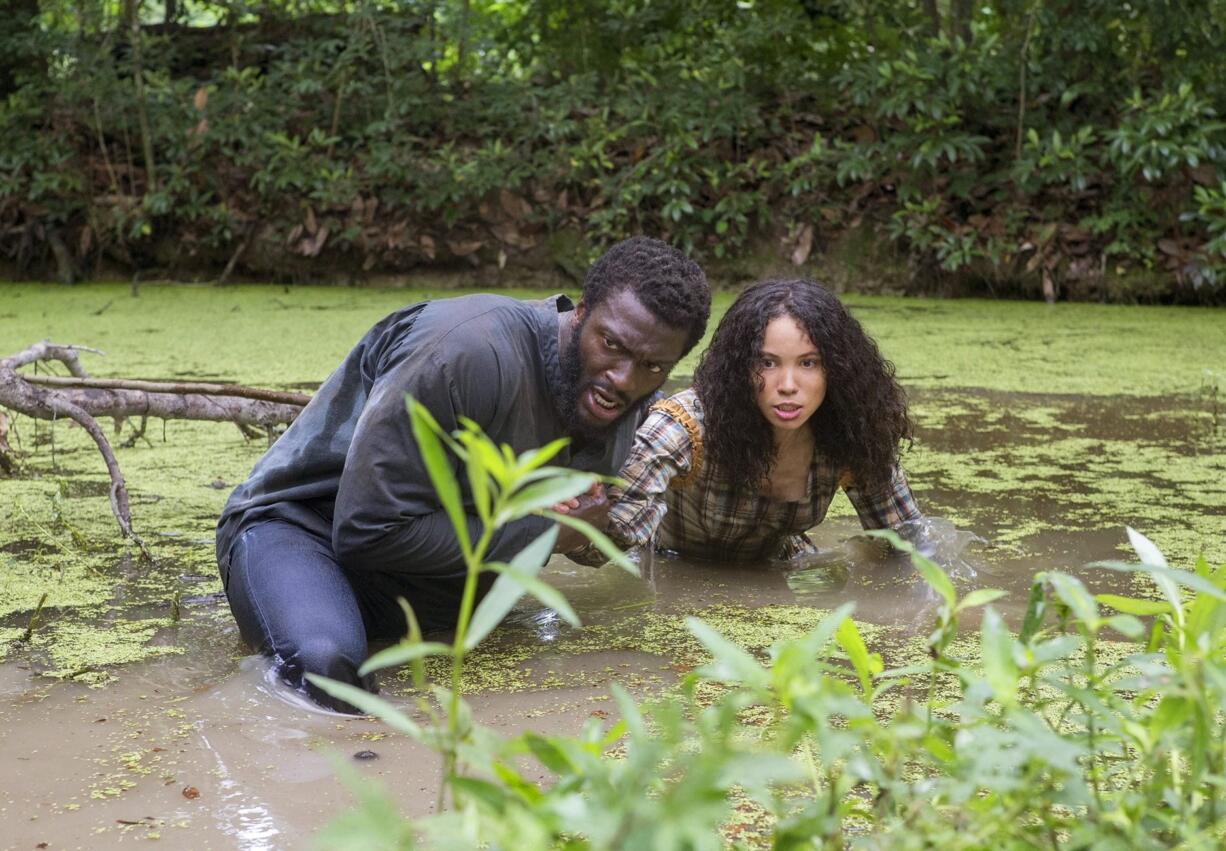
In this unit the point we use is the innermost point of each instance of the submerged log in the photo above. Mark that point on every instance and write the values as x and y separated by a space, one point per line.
83 400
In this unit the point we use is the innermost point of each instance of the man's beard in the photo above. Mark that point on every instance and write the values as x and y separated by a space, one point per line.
571 367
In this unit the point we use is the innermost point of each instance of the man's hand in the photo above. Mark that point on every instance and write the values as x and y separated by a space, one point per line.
592 506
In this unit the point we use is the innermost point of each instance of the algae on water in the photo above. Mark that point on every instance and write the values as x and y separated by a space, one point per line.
1040 428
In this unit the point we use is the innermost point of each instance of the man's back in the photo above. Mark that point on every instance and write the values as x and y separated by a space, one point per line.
347 469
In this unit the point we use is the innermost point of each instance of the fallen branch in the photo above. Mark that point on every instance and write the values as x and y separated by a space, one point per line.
238 390
83 399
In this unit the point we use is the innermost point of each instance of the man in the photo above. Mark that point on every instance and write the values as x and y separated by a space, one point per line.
339 518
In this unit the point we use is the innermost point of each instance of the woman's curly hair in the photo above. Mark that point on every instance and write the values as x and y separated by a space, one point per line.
860 423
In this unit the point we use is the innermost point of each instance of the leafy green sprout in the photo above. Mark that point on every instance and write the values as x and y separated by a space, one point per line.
504 488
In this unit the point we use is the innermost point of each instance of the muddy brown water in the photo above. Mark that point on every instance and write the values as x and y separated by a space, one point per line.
205 750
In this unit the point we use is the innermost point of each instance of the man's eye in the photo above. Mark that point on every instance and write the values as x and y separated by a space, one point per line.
609 344
654 368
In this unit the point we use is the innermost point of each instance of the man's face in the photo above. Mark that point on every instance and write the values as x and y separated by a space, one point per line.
618 353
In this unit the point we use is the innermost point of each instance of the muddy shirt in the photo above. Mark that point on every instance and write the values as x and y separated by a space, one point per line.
348 468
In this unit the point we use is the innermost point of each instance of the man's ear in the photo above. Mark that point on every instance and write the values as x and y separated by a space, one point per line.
580 310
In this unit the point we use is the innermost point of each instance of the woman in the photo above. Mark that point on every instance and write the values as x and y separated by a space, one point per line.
791 402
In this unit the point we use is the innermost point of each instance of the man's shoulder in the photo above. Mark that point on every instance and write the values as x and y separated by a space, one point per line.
468 326
480 308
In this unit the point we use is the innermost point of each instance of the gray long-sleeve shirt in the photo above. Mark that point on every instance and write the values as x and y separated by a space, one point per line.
348 468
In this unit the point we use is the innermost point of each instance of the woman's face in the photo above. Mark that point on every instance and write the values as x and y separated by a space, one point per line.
792 380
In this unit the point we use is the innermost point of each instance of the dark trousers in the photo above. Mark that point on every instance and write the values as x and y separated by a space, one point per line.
293 602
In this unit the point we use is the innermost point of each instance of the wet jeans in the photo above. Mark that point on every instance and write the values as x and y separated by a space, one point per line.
293 602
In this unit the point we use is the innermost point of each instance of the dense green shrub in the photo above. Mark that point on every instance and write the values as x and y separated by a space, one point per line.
1010 142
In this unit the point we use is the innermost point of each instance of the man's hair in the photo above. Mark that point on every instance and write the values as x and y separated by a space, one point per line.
669 284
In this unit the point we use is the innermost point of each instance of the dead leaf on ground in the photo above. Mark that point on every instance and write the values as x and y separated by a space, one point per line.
1205 174
507 232
191 793
201 99
513 205
864 134
311 246
463 248
804 245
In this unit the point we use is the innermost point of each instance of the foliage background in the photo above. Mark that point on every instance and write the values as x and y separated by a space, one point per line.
1012 146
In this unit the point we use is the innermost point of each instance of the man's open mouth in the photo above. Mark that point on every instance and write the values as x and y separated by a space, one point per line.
603 404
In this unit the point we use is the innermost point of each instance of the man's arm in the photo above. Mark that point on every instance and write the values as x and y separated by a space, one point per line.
663 450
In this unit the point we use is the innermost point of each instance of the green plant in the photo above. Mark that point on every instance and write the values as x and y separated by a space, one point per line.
502 488
1084 729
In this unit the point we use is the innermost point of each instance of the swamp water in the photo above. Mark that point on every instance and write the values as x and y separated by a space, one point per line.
130 712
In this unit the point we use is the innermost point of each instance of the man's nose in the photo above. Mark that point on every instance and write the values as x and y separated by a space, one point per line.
621 375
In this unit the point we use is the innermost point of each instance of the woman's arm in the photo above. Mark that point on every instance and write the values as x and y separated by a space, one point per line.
663 452
886 507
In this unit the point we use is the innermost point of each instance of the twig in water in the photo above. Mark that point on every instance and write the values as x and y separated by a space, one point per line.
29 633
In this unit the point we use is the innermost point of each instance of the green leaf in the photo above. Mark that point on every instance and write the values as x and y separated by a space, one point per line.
607 548
535 458
866 664
1172 711
479 485
426 432
1145 549
932 572
631 716
732 663
980 597
1036 609
1132 606
549 754
544 494
483 452
1076 597
1126 625
1186 578
506 590
401 653
820 635
370 704
416 666
999 667
490 794
935 577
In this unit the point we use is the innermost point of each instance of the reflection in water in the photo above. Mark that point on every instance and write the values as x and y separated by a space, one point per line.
847 565
241 814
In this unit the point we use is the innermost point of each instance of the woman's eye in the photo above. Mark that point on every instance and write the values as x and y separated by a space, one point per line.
767 362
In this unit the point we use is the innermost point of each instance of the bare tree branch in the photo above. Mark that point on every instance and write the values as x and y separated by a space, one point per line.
235 390
83 399
46 350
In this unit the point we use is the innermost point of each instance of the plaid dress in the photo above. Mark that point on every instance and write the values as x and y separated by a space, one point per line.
673 501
